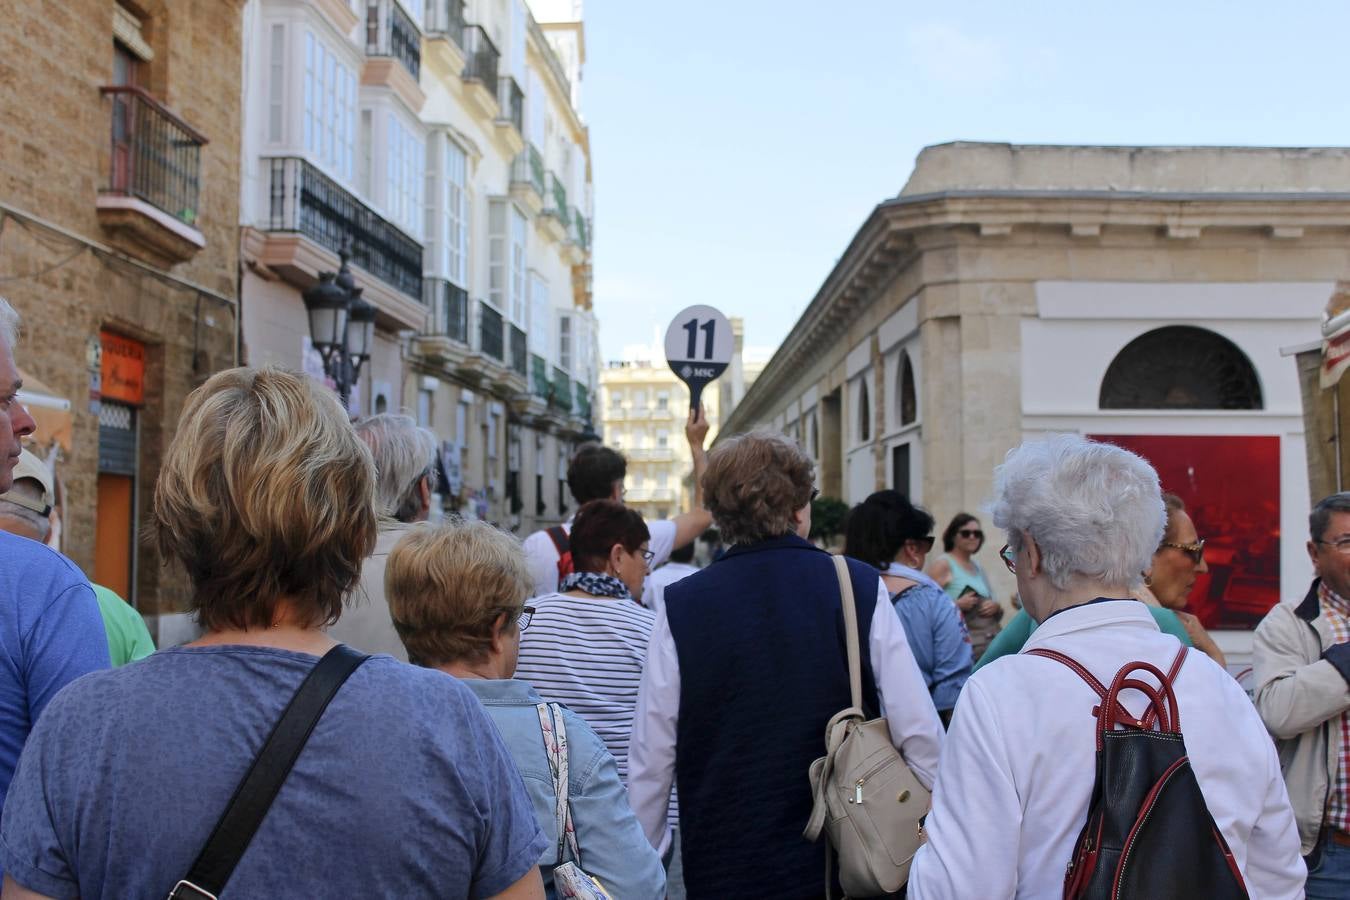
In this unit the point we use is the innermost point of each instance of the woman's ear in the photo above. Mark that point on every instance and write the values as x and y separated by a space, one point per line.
1033 554
616 557
499 631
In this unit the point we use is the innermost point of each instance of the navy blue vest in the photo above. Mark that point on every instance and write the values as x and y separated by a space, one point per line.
763 666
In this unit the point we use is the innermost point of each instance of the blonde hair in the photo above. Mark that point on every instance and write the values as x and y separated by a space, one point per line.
754 483
448 584
265 493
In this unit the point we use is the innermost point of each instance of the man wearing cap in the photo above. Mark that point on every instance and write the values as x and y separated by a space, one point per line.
26 511
50 629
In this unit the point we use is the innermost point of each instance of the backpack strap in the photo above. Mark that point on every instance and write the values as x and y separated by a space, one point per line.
561 543
555 746
253 797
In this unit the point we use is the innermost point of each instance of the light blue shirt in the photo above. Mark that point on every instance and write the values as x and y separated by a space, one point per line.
613 847
939 643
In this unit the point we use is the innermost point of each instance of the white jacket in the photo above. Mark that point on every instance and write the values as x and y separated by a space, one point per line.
1018 767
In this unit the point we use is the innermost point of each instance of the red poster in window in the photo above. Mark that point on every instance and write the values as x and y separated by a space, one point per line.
1231 487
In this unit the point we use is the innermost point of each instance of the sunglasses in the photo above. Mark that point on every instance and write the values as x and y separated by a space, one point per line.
971 533
1195 551
924 543
1009 558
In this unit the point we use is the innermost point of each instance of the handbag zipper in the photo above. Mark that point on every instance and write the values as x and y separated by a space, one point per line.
1150 802
858 786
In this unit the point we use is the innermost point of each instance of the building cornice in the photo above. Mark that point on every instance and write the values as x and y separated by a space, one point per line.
886 243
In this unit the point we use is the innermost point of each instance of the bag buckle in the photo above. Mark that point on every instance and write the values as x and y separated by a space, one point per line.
186 890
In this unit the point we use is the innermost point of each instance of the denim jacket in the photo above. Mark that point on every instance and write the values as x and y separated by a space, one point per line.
613 847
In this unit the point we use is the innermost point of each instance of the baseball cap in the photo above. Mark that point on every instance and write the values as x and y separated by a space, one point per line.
29 466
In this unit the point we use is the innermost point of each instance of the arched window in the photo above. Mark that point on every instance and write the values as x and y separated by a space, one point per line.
906 396
864 411
1180 367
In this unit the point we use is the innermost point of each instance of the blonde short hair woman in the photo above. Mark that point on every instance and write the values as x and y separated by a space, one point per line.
403 788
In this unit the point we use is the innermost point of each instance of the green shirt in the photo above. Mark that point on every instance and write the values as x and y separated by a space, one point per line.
128 638
1020 627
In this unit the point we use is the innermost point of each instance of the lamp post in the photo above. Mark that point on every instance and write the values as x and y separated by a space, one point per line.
341 325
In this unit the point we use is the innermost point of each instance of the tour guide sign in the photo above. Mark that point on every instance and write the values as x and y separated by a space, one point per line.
699 346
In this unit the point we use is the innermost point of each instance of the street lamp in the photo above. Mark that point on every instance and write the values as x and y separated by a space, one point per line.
341 325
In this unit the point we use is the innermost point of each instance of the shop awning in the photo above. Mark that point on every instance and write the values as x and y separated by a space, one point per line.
53 413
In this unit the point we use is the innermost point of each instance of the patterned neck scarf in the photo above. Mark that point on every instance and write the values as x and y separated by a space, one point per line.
596 584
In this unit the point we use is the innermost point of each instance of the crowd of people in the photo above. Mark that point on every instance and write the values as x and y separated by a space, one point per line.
588 714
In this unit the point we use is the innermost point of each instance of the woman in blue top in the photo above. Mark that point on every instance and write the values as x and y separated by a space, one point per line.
889 532
965 582
457 597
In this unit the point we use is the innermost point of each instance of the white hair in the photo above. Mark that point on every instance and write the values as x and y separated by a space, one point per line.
9 323
1094 509
403 453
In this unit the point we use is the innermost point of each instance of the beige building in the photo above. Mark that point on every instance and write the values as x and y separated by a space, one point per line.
644 409
119 161
1140 295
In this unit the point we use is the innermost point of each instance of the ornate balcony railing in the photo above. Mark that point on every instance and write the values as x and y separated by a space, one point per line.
562 390
490 332
512 101
391 32
555 200
480 57
539 385
528 168
449 306
156 156
581 230
305 200
446 17
519 353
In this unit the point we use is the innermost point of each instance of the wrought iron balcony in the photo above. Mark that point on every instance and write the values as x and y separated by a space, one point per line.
555 200
583 406
562 390
581 230
490 337
306 201
156 156
481 57
539 384
446 17
449 305
391 32
528 168
519 353
512 101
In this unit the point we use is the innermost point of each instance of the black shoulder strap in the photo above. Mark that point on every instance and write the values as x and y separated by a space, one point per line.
560 540
255 793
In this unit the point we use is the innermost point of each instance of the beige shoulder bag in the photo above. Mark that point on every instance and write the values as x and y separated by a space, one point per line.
867 800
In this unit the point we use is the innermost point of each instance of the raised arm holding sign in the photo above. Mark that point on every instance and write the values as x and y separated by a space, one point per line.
699 347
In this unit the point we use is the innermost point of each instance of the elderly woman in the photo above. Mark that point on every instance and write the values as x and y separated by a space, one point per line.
894 535
747 666
402 789
457 595
1175 565
1082 521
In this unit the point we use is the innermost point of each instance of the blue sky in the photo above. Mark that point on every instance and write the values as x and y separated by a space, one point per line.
737 146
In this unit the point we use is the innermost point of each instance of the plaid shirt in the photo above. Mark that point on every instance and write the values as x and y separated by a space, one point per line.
1336 610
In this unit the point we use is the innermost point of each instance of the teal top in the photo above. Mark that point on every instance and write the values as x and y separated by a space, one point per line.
128 638
962 578
1019 628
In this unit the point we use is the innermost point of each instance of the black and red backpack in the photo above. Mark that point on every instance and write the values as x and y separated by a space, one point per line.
1149 833
558 534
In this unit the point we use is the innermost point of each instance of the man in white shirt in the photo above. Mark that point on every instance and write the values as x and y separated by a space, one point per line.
681 566
1083 521
596 472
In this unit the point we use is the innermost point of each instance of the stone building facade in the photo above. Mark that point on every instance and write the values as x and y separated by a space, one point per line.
1140 295
119 196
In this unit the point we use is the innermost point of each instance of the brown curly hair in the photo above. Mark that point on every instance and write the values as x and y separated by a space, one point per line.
753 485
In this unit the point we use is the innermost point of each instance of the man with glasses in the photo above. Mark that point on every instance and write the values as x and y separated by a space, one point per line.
1301 659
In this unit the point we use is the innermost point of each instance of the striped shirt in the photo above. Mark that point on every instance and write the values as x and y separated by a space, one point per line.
1336 611
587 653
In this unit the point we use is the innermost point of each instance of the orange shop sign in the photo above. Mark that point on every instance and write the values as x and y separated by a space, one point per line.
123 370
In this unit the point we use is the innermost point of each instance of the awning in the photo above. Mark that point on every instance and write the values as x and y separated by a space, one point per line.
53 414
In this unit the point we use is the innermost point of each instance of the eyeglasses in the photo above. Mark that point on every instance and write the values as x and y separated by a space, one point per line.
815 492
647 556
1342 545
1009 558
526 614
1196 551
971 533
925 543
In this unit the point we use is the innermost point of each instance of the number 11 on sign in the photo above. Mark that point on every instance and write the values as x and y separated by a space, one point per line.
709 330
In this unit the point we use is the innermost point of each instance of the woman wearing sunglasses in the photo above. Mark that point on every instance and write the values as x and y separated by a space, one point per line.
895 536
965 582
